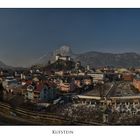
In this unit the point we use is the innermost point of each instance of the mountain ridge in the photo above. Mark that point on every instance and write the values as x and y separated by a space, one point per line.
99 59
96 58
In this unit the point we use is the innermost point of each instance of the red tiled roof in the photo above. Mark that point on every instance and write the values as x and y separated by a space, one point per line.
39 87
28 82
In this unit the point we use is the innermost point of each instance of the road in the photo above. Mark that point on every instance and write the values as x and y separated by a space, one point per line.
110 89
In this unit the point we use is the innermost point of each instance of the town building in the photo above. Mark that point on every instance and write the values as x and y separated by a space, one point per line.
67 86
87 81
97 77
136 83
77 65
41 92
64 58
127 76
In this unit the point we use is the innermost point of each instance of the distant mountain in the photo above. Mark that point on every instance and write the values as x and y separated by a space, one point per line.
98 59
95 59
43 59
3 66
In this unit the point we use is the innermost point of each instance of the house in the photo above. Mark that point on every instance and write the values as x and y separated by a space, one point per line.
77 65
127 76
41 92
122 70
9 81
48 93
67 86
36 79
97 77
81 73
87 81
78 82
30 93
136 83
59 73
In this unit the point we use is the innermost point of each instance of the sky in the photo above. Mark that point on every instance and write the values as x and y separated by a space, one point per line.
28 34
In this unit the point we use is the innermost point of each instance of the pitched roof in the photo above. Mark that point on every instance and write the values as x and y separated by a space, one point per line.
39 87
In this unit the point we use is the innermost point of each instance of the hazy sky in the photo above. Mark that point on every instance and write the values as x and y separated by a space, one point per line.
27 34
